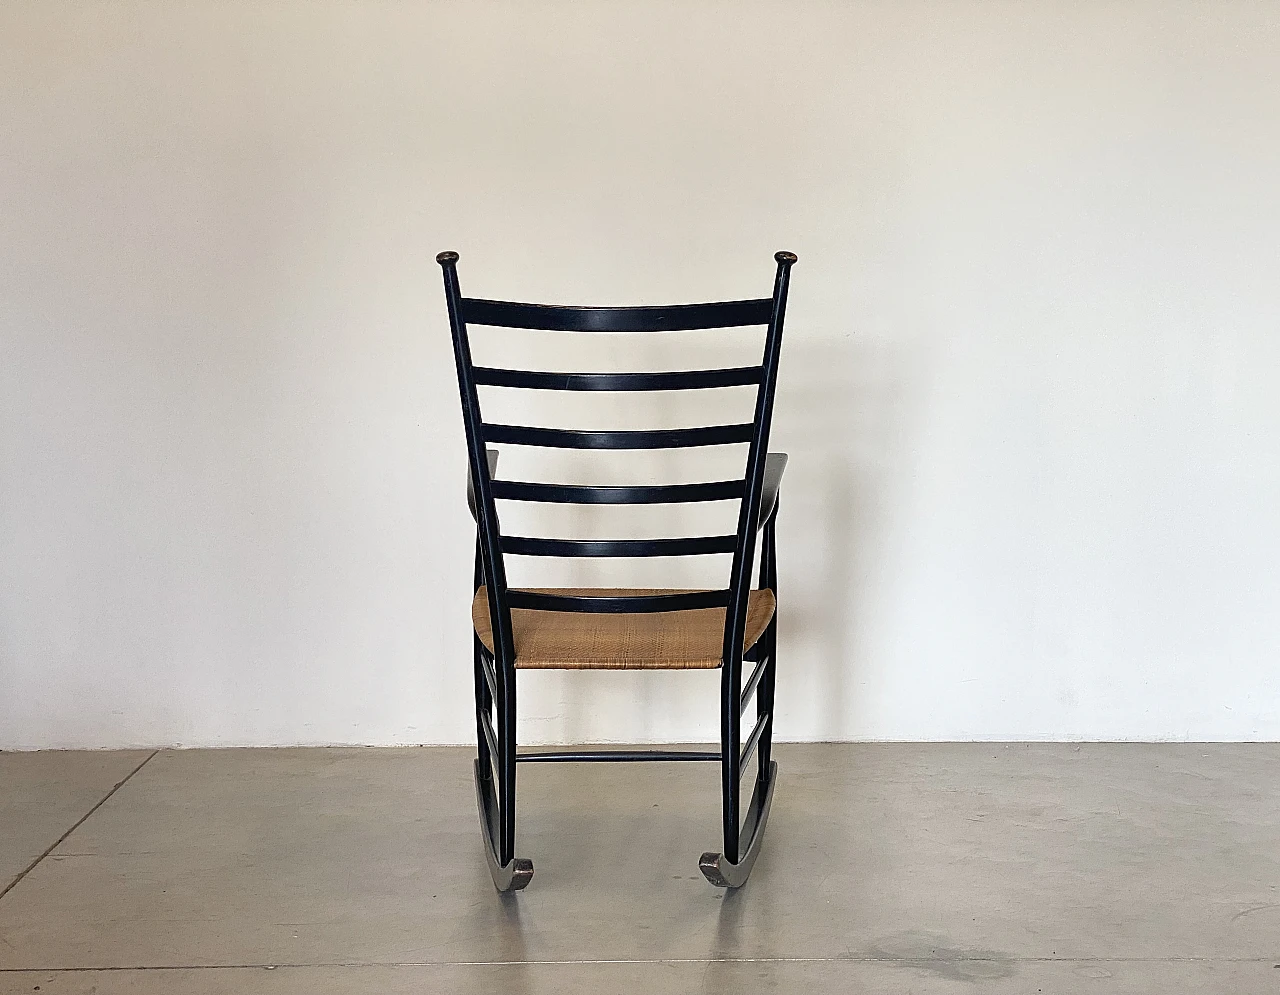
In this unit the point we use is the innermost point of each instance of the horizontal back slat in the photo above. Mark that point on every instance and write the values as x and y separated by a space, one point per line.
618 605
692 546
719 490
671 438
677 380
752 492
679 317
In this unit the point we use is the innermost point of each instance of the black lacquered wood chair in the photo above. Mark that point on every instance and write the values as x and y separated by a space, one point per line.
614 628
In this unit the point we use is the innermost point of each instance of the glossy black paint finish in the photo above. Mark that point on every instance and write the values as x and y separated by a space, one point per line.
540 601
667 438
613 756
738 376
719 490
556 318
692 546
757 492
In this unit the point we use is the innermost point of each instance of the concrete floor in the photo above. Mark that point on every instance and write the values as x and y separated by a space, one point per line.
888 868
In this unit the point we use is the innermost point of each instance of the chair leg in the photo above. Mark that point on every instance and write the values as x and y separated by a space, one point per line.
498 808
730 760
764 693
484 706
732 867
764 707
507 765
766 768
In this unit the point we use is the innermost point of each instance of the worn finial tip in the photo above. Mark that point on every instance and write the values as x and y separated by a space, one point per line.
449 256
785 257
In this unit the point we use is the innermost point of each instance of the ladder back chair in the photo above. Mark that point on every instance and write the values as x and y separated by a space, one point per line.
623 628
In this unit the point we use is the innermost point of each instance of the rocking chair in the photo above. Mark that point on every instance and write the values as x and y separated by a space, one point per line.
619 628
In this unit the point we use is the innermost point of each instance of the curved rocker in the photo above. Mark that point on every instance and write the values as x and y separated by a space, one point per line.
721 872
506 877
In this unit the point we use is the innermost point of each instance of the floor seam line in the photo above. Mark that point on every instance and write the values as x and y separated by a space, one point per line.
78 823
640 961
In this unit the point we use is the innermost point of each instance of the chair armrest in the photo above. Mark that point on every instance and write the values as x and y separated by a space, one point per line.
492 455
774 465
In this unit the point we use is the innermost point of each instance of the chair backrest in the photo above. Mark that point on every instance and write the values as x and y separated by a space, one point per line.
765 311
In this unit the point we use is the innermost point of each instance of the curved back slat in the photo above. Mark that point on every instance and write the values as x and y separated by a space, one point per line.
741 376
718 490
670 438
692 546
554 318
683 601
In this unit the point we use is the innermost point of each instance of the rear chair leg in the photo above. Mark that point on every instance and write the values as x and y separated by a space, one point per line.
484 706
498 809
731 868
507 766
764 706
764 693
730 761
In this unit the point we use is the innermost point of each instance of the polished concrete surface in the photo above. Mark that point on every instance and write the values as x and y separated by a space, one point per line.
920 868
42 795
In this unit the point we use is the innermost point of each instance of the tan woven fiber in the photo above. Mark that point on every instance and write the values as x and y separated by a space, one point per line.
681 640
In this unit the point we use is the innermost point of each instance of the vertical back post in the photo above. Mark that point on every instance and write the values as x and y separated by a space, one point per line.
494 569
743 557
491 560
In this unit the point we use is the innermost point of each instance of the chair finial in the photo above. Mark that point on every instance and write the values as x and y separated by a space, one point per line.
444 258
785 257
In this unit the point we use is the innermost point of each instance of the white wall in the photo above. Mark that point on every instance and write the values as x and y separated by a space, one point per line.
1029 384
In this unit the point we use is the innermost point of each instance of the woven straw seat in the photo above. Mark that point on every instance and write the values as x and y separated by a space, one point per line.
681 640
